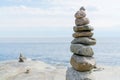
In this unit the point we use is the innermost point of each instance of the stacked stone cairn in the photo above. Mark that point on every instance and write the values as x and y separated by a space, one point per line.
22 58
82 60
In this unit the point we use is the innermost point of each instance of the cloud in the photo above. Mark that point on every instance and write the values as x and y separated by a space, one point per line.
16 10
26 14
60 15
23 16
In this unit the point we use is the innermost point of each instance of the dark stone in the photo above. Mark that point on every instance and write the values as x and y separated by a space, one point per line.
22 58
82 8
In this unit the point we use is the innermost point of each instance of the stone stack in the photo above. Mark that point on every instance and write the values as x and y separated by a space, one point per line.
82 60
22 58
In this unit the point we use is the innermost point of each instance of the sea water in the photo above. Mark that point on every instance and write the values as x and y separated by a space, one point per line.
57 50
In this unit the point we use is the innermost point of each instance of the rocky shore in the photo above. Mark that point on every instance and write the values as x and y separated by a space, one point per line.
30 70
37 70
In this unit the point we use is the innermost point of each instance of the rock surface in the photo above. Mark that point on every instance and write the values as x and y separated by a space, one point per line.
82 8
81 50
13 70
82 34
84 40
80 14
72 74
83 28
82 21
81 63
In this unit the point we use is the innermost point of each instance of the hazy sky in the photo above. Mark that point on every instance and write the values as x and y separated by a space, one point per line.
52 18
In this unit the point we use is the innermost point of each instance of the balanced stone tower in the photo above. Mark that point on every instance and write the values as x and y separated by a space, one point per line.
82 60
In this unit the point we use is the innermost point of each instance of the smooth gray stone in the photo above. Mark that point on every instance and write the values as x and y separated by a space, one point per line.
81 50
82 64
84 40
72 74
80 14
82 21
83 28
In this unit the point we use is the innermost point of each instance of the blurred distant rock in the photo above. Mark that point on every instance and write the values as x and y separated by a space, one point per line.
22 58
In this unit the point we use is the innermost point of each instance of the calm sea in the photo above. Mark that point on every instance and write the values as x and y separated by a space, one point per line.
56 50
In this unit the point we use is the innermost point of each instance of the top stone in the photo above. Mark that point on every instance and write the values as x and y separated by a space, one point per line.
81 13
82 8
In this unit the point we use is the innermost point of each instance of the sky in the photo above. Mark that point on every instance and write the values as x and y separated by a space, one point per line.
55 18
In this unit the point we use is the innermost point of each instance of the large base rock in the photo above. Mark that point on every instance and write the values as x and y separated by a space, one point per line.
72 74
84 40
82 64
81 50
